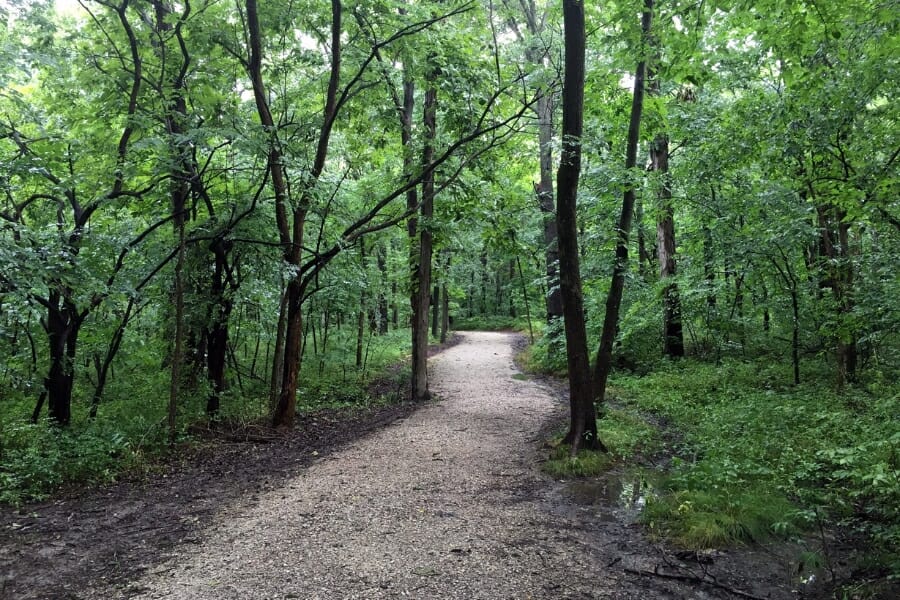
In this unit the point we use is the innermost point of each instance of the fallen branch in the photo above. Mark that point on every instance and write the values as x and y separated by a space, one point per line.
695 580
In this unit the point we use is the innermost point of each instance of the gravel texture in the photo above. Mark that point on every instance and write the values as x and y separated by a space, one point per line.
448 502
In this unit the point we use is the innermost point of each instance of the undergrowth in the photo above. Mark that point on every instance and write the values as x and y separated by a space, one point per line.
130 435
760 458
622 431
490 323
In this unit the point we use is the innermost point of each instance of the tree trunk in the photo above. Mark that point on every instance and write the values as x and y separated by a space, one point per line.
583 423
291 234
614 300
673 338
217 328
278 353
435 310
178 350
286 407
445 311
525 299
106 365
422 281
62 325
382 308
836 263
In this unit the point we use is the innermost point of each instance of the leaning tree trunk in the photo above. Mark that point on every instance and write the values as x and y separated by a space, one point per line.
614 300
583 424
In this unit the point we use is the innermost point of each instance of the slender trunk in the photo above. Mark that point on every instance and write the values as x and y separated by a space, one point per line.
177 350
278 353
418 383
643 257
547 204
583 424
292 239
360 330
423 273
435 310
361 313
603 364
445 312
485 282
382 308
111 351
217 328
795 334
285 408
525 300
673 338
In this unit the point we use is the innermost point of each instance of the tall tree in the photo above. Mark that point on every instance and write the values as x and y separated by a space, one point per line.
673 337
583 419
537 53
421 285
603 364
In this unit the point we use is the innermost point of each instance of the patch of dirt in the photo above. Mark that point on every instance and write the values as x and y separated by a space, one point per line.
53 549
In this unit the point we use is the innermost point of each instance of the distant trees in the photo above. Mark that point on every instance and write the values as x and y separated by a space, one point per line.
185 187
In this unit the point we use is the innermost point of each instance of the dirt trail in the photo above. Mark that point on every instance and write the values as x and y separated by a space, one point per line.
446 503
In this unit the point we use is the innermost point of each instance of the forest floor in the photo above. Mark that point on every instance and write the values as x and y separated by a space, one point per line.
444 500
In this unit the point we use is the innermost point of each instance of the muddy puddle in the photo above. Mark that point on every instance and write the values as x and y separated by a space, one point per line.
612 497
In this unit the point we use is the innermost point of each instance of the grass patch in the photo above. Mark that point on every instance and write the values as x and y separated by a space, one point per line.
710 518
623 432
761 458
587 463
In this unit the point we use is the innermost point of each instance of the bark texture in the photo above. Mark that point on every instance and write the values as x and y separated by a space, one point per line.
583 423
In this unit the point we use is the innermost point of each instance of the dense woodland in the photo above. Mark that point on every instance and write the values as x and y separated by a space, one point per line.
237 211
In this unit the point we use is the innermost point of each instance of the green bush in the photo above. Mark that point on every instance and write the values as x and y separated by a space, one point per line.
761 457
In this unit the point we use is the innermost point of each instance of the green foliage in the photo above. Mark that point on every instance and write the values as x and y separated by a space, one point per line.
715 516
490 323
760 458
38 459
625 435
587 463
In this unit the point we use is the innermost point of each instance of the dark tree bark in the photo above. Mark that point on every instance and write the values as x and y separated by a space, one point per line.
673 338
361 313
834 257
537 55
382 307
422 280
583 422
291 233
216 331
435 309
445 312
614 300
62 324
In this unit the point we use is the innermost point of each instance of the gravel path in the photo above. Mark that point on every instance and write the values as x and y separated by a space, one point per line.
439 505
448 503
